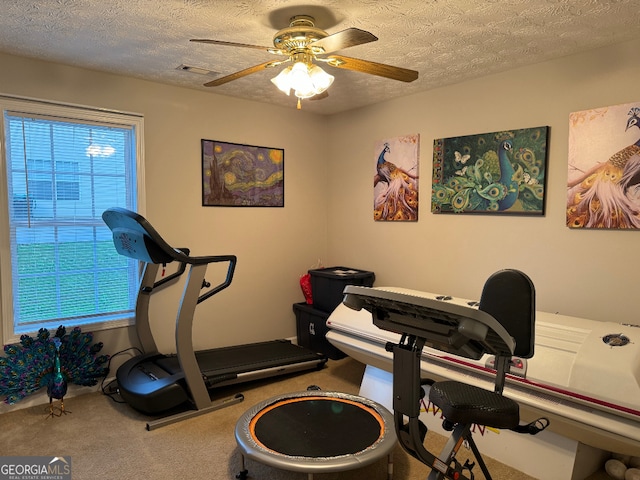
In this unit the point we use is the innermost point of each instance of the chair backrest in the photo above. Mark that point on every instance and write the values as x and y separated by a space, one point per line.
509 296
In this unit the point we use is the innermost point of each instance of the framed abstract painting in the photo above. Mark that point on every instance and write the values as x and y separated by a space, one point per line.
493 173
237 175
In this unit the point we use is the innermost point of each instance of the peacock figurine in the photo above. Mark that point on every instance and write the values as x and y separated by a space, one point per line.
57 387
607 196
39 362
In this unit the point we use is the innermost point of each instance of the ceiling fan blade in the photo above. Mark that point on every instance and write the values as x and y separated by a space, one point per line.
320 96
365 66
344 39
242 73
230 44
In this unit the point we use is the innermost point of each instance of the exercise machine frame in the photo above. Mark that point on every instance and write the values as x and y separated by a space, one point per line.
461 330
134 237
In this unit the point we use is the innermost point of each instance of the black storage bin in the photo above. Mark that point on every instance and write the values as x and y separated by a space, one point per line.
327 285
311 328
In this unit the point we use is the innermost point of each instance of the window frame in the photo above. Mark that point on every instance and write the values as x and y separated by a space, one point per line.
68 113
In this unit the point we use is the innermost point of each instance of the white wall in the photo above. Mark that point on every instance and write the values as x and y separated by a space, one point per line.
586 273
274 245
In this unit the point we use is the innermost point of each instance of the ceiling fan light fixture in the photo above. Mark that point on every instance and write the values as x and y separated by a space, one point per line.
283 81
306 80
321 79
301 81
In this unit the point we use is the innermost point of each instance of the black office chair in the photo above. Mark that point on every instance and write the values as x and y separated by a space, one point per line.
502 325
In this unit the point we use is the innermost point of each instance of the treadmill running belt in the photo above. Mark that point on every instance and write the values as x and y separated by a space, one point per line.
245 358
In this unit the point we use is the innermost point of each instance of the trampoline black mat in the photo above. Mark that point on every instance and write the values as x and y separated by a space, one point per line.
316 431
317 426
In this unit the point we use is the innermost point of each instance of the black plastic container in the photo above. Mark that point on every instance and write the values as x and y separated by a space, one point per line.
327 285
311 328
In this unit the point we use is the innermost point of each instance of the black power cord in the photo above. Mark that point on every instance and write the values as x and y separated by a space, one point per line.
111 389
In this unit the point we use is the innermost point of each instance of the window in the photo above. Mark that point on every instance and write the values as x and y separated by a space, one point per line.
40 185
62 166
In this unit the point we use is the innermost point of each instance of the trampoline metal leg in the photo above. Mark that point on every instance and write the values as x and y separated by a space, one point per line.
390 467
244 473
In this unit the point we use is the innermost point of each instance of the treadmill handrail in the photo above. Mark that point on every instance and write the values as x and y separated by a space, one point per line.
135 237
227 281
181 269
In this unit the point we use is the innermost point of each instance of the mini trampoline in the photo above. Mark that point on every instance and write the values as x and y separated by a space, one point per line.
316 432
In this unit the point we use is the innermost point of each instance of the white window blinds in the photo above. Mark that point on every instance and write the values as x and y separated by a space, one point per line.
62 172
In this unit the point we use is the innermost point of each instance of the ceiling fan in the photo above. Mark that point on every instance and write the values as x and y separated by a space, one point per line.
303 44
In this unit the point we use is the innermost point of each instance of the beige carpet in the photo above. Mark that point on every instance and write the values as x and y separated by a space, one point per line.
107 440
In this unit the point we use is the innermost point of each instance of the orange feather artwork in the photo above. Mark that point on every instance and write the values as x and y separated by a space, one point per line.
603 186
395 182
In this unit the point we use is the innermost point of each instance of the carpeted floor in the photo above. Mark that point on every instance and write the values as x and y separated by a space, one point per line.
109 440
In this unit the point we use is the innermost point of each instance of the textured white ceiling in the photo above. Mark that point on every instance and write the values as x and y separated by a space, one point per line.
446 41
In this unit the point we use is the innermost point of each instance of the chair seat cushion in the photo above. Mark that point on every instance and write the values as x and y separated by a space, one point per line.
462 403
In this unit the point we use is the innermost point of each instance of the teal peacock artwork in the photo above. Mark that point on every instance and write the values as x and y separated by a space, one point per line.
51 362
498 172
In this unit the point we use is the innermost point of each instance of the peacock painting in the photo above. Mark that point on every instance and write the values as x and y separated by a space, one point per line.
603 188
395 183
51 363
499 172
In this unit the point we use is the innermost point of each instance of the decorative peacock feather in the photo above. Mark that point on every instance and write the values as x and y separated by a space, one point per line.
31 364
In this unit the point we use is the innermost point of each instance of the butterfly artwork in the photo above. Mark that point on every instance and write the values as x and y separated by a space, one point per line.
528 179
495 172
460 160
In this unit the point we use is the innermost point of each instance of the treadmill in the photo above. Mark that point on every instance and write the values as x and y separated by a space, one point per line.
155 383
